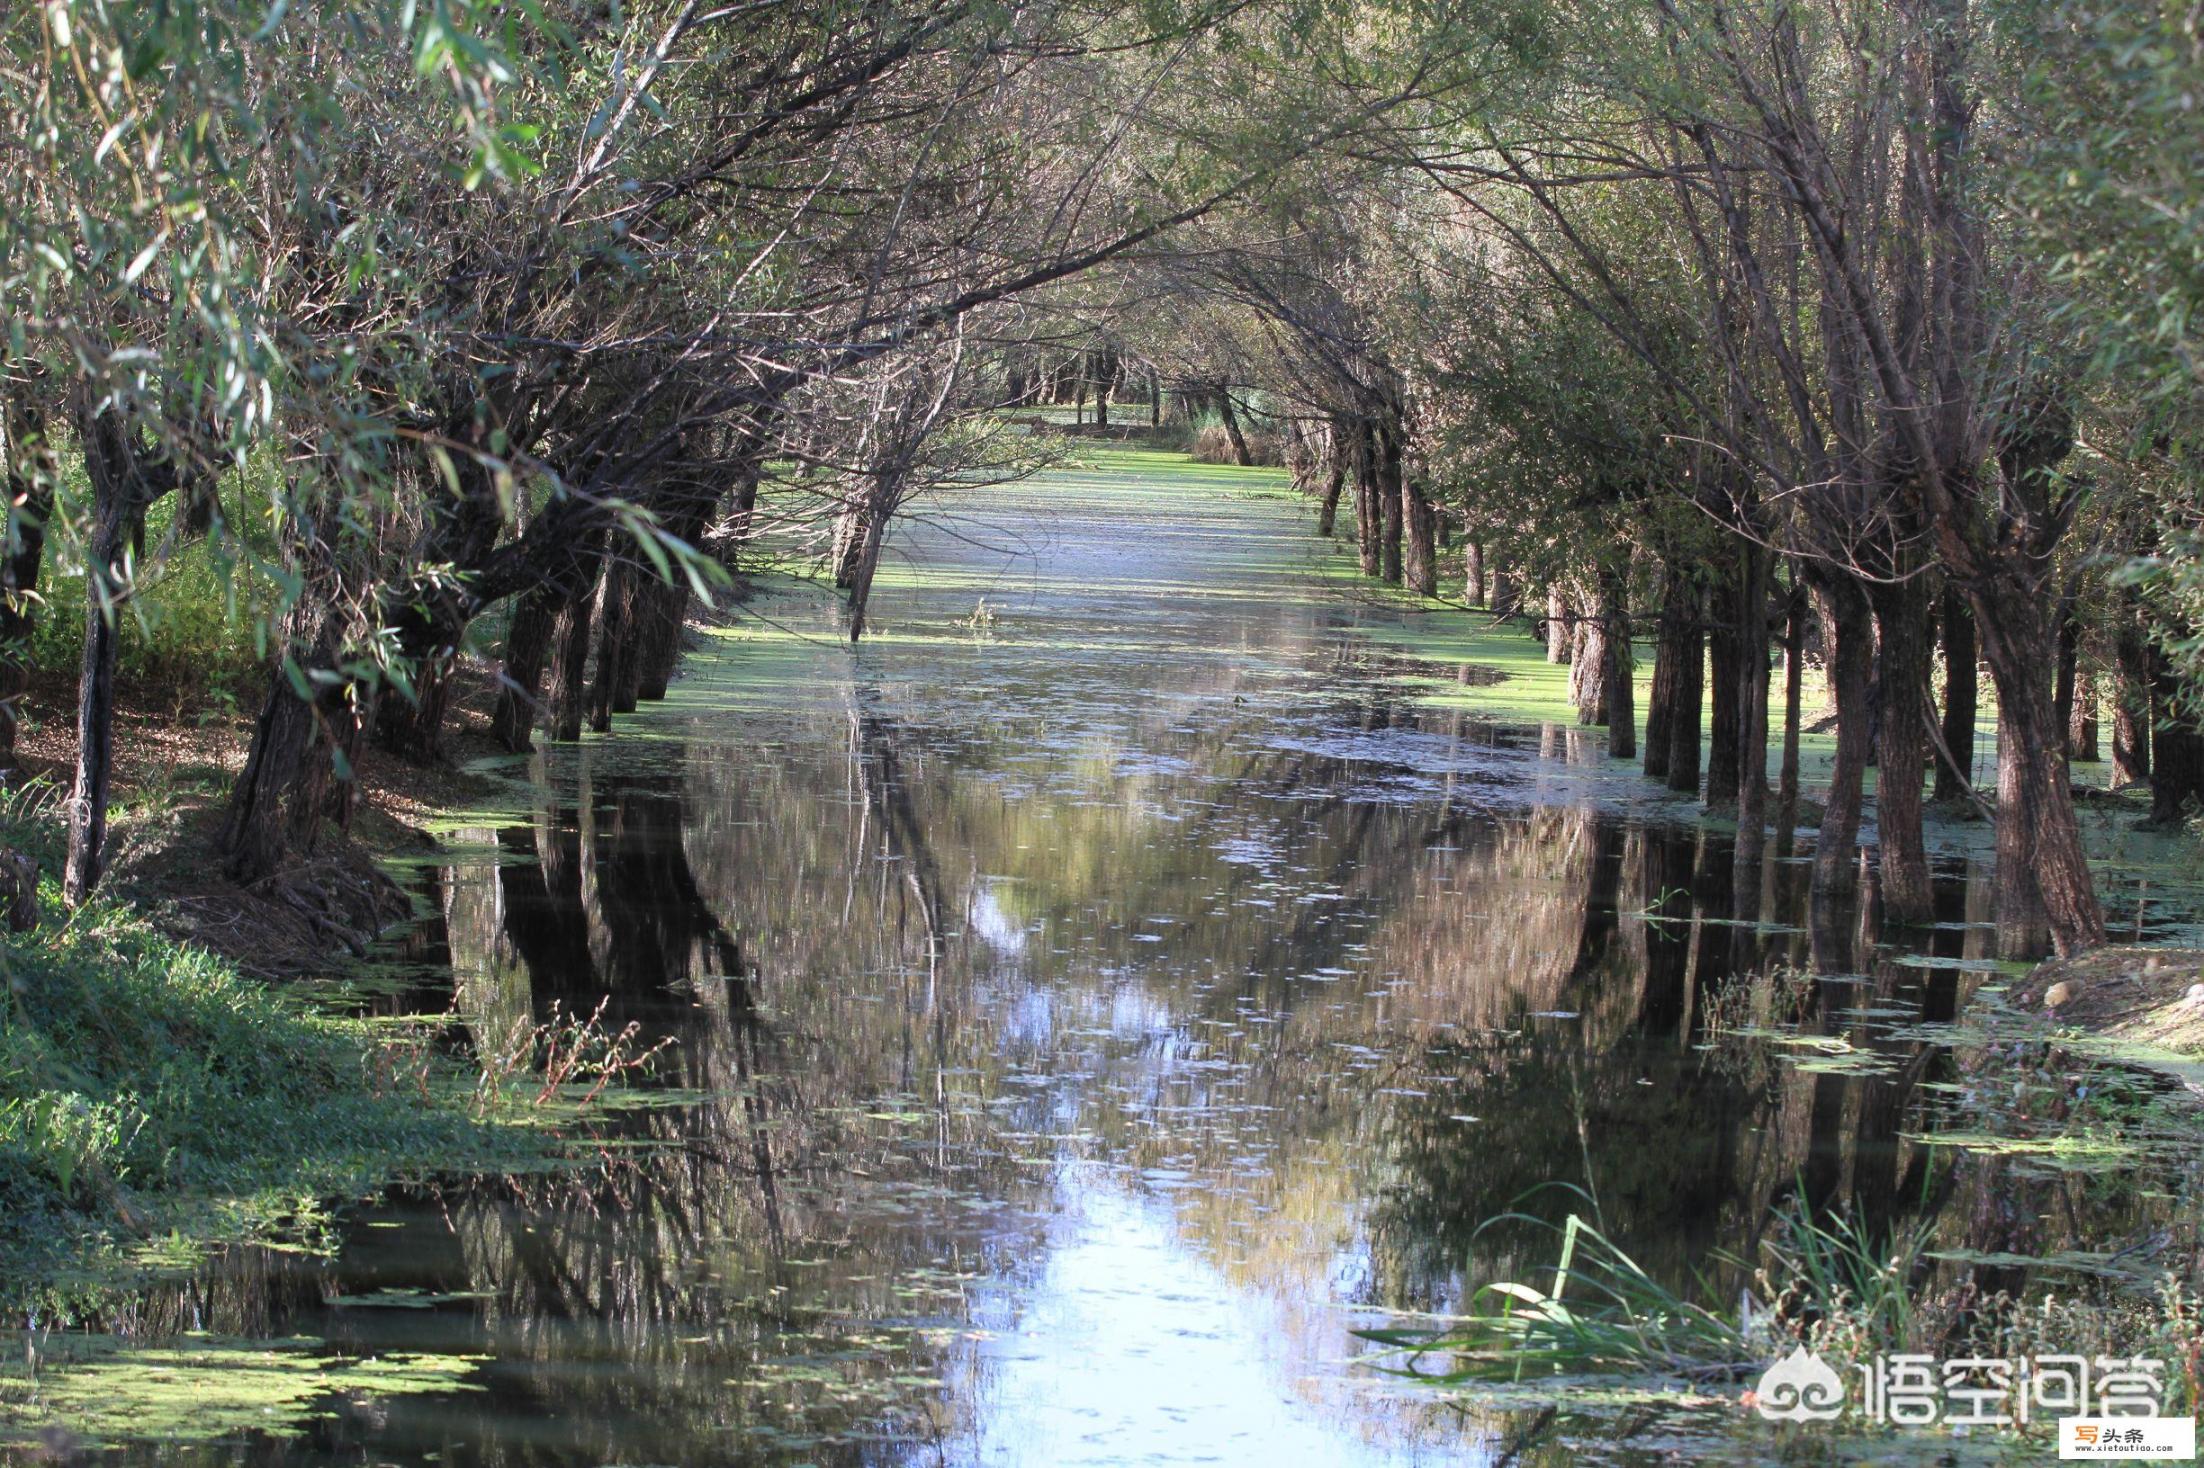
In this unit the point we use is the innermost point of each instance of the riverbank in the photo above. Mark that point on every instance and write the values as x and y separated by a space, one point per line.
167 1083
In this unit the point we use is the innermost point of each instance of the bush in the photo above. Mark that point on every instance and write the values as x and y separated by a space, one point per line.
192 628
1212 445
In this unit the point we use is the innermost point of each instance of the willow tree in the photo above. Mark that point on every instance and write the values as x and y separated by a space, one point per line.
156 145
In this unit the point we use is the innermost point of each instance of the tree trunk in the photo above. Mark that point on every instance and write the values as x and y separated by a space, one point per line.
2081 724
1560 626
1687 692
2069 669
1660 696
1726 671
658 638
615 642
2177 757
124 485
1507 598
1752 725
1421 563
1473 572
2023 930
1368 517
1794 691
567 693
860 596
849 544
527 643
103 595
2039 843
1389 503
412 728
282 796
1588 664
1851 668
1240 454
1960 696
1327 508
1901 615
1614 616
2131 706
31 474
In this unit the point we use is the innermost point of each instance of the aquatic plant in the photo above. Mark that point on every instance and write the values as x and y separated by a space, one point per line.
1599 1311
570 1055
1826 1280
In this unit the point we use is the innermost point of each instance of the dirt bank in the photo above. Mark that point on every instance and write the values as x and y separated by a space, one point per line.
2142 1006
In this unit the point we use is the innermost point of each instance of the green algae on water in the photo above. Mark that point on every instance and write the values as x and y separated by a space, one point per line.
201 1389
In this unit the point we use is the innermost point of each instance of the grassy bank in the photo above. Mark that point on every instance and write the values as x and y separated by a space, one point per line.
155 1100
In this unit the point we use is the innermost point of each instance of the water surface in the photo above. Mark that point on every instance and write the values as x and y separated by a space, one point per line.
1092 999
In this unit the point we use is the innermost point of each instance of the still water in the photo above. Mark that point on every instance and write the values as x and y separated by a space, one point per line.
1091 1000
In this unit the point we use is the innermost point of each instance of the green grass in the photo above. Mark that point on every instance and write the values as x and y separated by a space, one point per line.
194 625
152 1098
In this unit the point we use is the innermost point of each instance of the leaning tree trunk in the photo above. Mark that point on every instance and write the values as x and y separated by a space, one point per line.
1960 696
860 596
1240 453
849 544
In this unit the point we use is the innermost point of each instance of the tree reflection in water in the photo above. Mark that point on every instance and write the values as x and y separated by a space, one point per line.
1040 1024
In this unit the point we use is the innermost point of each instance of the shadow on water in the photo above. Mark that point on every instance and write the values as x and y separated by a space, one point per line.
1075 1037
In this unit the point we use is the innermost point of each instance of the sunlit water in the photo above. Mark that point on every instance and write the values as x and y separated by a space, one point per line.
1093 999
